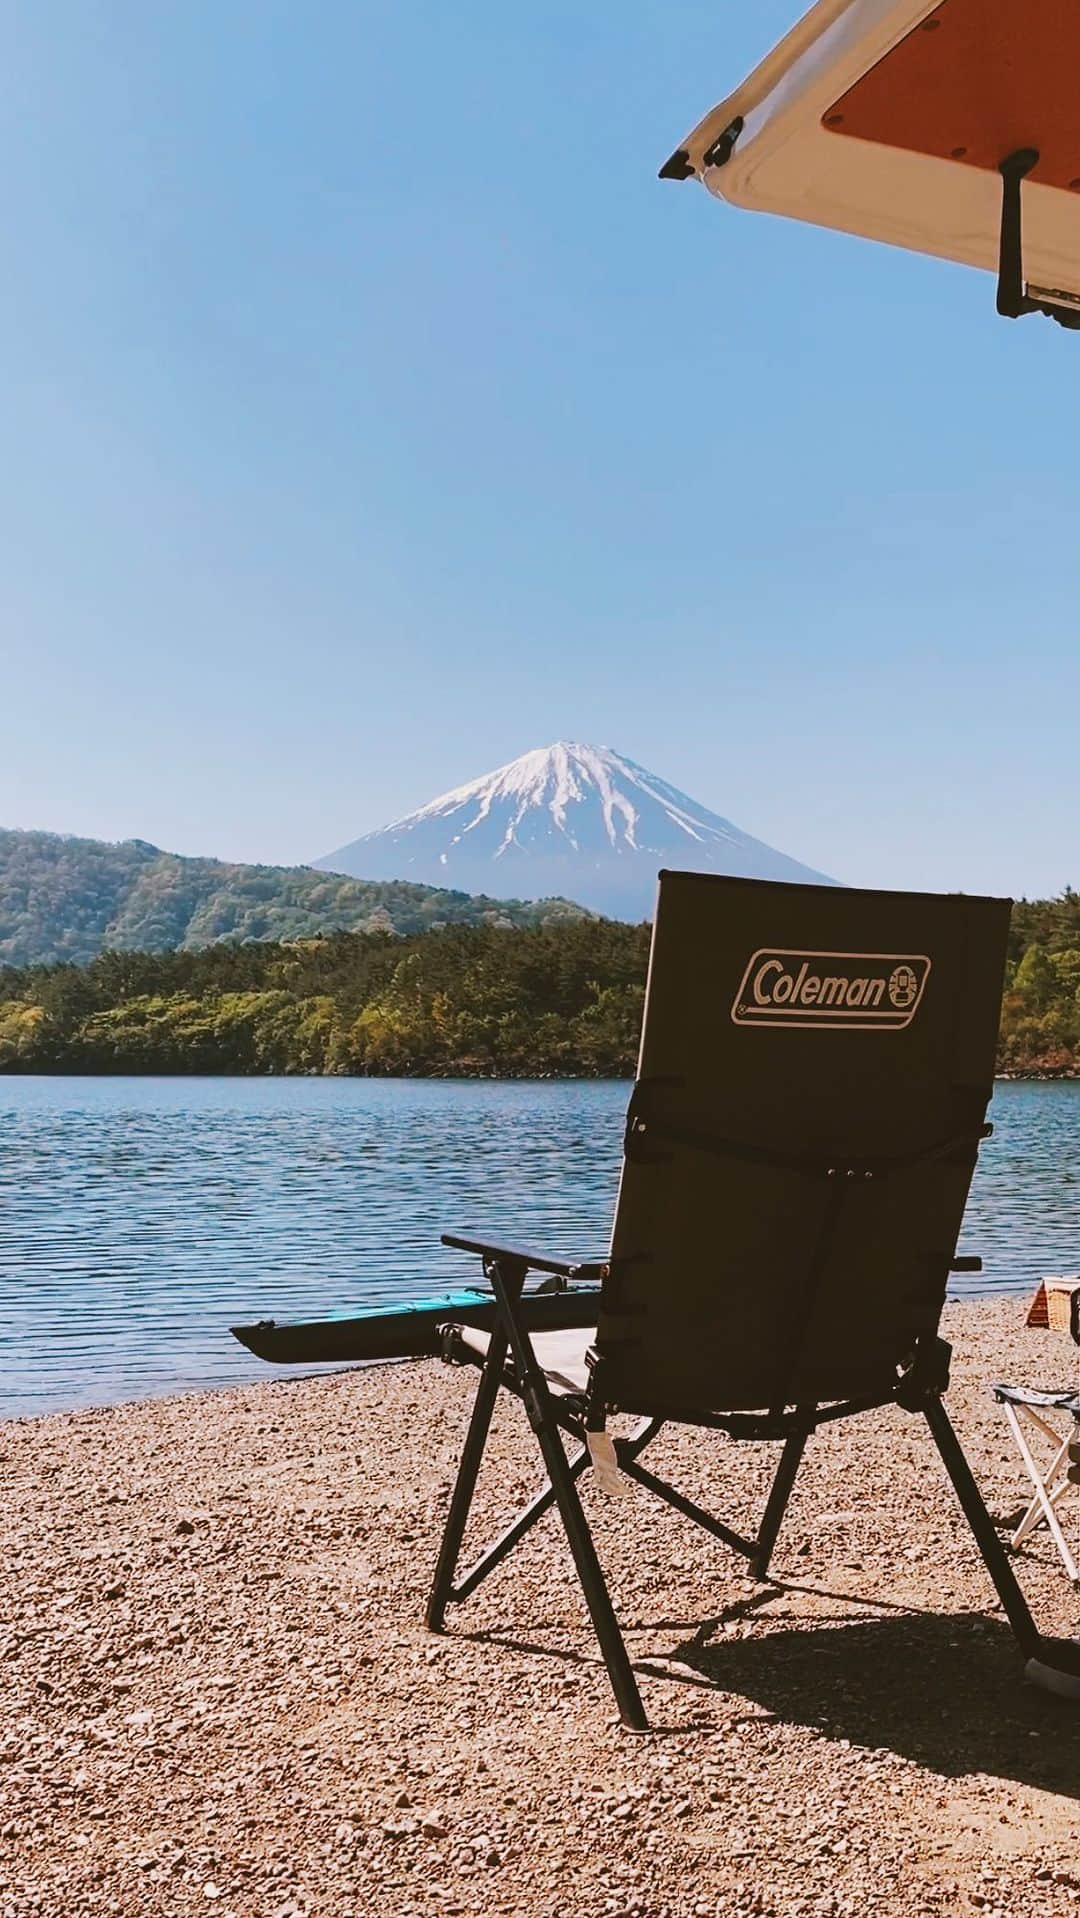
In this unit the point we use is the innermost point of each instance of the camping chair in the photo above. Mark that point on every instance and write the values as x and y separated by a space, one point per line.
814 1074
1057 1307
951 127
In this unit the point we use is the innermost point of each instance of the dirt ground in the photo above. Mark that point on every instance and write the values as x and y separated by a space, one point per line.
217 1694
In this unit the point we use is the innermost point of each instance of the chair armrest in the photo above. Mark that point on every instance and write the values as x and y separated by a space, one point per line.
969 1264
532 1261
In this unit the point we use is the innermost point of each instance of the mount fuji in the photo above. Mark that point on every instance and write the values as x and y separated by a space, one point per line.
570 821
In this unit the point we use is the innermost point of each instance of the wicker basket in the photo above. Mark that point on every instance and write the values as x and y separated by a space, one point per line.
1051 1308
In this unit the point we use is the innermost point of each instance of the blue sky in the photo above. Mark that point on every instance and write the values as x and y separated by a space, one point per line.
373 414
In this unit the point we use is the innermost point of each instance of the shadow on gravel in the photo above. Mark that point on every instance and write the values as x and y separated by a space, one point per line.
947 1691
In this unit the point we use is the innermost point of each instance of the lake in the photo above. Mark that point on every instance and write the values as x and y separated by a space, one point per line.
139 1218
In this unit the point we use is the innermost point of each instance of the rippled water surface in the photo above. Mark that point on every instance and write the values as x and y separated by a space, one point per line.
140 1217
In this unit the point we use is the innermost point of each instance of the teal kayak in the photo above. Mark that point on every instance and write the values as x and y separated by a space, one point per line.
409 1331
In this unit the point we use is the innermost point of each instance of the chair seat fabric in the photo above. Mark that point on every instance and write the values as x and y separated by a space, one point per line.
560 1355
1044 1401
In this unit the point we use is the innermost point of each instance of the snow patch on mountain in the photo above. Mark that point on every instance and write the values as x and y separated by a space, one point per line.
571 819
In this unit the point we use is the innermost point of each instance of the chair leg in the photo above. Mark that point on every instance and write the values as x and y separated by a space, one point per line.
777 1502
537 1401
994 1555
473 1451
597 1597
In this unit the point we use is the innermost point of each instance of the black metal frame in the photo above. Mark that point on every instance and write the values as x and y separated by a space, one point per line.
1014 295
511 1362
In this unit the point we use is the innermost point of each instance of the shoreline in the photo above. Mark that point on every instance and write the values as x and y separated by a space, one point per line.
974 1295
1070 1075
220 1695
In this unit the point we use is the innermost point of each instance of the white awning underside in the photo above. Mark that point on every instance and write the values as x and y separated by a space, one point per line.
787 160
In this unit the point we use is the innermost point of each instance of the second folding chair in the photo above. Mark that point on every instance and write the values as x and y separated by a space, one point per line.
1031 1415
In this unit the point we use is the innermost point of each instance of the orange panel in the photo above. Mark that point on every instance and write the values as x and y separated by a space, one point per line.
973 82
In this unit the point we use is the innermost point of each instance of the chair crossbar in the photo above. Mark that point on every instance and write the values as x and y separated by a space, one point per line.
1055 1488
758 1550
747 1548
627 1449
1051 1482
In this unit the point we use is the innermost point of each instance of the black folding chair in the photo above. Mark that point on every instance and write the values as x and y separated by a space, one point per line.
815 1069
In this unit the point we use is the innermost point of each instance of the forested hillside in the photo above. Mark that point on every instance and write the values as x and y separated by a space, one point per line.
557 999
69 899
1040 1017
560 999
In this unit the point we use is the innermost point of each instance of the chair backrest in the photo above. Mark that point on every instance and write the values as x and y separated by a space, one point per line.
815 1069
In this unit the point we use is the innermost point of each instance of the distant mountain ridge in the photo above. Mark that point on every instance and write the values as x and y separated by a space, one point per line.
576 820
67 899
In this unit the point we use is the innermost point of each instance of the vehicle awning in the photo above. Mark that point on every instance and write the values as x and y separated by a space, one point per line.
915 123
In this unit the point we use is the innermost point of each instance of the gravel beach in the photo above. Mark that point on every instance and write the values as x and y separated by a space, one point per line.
217 1694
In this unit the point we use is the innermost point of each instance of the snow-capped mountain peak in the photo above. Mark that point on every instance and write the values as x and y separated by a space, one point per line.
581 821
552 779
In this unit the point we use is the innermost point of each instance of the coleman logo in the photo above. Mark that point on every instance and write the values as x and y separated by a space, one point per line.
861 989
